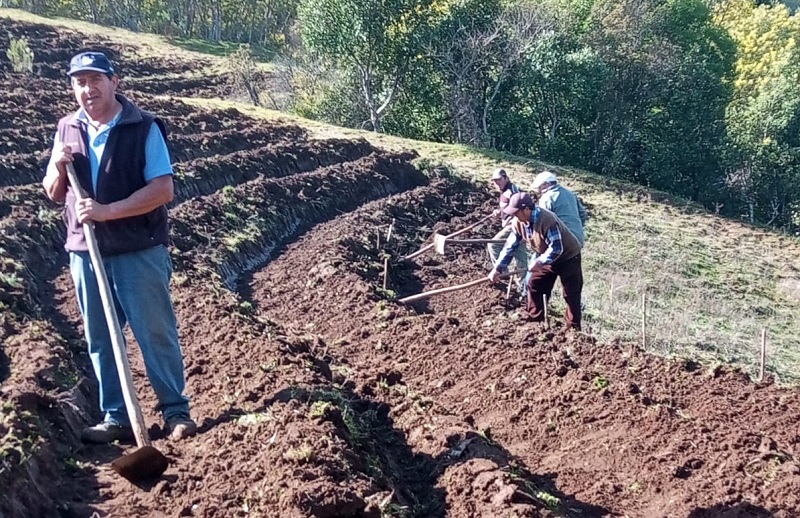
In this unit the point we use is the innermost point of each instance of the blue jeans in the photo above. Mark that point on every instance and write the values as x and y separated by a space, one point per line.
139 284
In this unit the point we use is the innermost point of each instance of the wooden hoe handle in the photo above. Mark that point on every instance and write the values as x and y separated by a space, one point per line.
428 294
448 236
114 329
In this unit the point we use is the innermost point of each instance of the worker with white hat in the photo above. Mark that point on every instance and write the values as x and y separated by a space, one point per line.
561 201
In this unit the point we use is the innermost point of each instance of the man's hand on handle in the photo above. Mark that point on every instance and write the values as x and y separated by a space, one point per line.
90 210
61 157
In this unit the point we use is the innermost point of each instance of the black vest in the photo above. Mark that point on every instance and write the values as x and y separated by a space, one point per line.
121 174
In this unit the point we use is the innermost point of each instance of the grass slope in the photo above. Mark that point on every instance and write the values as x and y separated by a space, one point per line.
711 284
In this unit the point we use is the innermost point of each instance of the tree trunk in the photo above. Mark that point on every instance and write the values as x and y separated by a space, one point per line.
216 21
366 87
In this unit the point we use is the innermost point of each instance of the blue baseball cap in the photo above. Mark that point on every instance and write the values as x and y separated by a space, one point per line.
90 62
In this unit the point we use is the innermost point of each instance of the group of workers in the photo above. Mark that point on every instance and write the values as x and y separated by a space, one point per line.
120 157
546 223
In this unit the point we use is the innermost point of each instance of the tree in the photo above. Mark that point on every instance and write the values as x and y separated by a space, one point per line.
764 115
477 48
378 39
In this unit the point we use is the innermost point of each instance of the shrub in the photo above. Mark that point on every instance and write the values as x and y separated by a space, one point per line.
20 55
245 75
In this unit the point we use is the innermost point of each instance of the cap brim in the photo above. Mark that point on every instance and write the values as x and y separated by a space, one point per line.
89 69
509 211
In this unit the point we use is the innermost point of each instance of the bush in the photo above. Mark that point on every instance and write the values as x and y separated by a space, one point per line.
245 74
20 55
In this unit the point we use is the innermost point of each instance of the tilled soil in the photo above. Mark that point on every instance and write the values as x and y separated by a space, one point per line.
319 395
616 431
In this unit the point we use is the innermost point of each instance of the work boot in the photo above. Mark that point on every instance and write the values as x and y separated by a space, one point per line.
181 428
106 432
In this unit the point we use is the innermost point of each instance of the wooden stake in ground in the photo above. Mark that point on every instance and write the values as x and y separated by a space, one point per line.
644 320
611 297
763 355
546 318
385 271
378 239
389 233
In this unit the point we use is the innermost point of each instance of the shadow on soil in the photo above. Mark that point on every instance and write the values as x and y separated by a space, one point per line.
416 478
5 366
744 510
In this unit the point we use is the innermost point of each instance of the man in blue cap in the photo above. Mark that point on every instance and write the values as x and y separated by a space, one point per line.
121 159
556 255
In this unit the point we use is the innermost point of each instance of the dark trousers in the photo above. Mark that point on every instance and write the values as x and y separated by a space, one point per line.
541 281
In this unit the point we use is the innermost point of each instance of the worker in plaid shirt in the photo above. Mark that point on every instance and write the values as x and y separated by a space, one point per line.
556 253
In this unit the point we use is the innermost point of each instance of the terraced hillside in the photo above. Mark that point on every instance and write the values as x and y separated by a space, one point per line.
317 394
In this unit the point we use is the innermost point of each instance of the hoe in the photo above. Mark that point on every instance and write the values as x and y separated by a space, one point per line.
146 462
431 293
440 241
454 234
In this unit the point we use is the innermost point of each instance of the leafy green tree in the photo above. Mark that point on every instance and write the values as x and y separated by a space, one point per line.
764 115
378 40
552 104
660 110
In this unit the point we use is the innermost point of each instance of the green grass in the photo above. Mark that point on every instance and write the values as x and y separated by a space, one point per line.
218 48
712 284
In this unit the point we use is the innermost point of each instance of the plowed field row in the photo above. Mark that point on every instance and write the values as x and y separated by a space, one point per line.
606 431
217 158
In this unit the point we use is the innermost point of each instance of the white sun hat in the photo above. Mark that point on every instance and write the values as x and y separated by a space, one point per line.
543 178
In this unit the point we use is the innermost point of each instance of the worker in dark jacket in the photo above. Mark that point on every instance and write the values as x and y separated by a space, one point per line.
121 159
556 253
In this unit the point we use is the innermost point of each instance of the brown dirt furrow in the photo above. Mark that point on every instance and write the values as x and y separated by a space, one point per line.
182 119
605 430
241 226
186 147
23 169
205 176
24 141
200 87
261 447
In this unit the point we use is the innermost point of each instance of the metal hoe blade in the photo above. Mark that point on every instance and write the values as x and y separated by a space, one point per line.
145 463
440 241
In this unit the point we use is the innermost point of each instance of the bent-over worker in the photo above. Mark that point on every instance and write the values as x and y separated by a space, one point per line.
507 189
556 254
562 202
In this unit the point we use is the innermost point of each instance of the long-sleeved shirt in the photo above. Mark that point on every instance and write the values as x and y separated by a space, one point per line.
552 237
569 209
